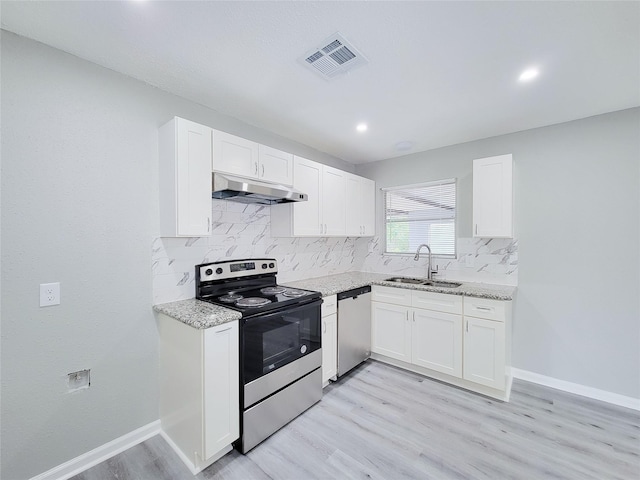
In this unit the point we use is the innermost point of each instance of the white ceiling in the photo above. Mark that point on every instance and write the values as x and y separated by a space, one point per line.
439 73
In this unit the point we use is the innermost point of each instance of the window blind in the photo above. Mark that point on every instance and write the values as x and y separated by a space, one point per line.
424 213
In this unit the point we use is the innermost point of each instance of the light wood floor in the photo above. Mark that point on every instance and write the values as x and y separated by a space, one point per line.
381 422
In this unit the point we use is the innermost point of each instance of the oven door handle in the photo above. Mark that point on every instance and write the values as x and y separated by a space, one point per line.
279 313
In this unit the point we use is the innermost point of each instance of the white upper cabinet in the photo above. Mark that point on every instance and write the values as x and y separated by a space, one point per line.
235 155
185 179
305 217
334 213
339 204
324 213
360 202
239 156
275 165
493 197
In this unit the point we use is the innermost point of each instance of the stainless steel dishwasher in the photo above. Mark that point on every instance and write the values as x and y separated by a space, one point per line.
354 328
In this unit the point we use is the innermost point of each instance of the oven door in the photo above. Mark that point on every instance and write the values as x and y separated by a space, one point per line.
276 339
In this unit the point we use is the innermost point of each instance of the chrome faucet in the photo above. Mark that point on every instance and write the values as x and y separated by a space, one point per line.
417 257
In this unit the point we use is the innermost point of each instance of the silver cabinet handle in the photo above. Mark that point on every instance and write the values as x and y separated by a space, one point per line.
263 169
414 316
324 327
407 315
320 228
208 224
256 170
476 228
486 309
467 325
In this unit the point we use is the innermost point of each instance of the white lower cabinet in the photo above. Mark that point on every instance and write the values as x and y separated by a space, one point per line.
485 351
437 341
199 390
440 340
329 339
391 331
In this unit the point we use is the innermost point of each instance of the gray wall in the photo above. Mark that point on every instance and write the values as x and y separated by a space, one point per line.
577 215
79 206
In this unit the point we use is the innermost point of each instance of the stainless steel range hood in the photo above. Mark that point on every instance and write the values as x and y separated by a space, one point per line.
247 190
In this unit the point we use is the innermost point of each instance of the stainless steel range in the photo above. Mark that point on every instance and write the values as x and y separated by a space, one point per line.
280 347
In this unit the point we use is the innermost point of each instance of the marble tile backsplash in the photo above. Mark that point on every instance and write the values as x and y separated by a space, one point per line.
478 260
243 231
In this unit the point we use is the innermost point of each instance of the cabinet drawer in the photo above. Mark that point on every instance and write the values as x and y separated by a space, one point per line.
485 308
397 296
440 302
329 305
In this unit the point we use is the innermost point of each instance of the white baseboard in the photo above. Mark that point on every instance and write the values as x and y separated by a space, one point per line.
100 454
194 468
590 392
187 461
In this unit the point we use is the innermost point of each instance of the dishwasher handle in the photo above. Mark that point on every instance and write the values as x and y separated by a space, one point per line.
354 293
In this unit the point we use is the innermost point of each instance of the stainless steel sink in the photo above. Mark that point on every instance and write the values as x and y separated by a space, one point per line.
412 281
444 284
431 283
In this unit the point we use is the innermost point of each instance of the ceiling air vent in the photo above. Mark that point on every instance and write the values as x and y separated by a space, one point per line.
334 56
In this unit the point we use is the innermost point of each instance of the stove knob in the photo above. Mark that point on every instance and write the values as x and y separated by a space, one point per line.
218 270
264 266
272 265
208 271
303 349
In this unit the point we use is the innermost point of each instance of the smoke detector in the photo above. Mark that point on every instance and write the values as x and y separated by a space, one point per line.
333 57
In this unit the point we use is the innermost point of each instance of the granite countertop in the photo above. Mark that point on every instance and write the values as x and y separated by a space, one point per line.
201 315
333 284
198 314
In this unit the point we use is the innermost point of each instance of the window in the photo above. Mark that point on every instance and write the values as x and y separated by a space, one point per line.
424 213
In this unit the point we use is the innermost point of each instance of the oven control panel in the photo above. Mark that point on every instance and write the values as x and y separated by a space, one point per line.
237 269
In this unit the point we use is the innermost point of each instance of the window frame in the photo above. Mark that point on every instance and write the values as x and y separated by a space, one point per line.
434 183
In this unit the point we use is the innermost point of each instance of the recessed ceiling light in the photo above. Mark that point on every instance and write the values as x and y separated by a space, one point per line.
362 127
404 146
529 74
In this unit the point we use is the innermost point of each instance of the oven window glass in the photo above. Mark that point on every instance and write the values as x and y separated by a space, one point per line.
280 341
276 339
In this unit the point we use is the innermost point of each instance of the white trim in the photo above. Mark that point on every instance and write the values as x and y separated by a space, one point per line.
100 454
423 184
195 469
188 463
583 390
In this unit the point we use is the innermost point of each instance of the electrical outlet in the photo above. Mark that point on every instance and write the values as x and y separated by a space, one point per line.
79 380
470 261
49 294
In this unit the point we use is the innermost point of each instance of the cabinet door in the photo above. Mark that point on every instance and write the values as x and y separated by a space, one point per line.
329 347
354 205
275 166
193 179
493 197
391 331
368 207
437 341
360 206
307 177
221 388
484 352
333 201
235 155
